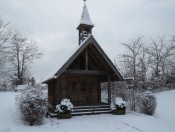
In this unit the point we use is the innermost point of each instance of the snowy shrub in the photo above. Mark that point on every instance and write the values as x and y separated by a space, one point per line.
64 107
32 104
146 103
118 103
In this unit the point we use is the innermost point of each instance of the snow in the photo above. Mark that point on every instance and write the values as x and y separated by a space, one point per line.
166 100
65 102
85 18
120 102
21 87
162 121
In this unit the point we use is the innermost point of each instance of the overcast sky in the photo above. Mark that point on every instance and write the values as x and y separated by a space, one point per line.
53 23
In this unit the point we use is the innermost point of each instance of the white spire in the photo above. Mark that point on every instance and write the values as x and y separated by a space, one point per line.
85 18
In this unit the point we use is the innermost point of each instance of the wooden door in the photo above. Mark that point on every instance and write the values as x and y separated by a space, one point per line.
79 92
74 92
83 93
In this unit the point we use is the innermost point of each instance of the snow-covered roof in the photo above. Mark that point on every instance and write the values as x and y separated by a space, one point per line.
128 79
85 18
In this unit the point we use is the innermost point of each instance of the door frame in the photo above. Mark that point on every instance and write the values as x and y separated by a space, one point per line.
78 94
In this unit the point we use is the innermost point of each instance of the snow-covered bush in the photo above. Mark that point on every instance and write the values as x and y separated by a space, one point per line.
32 104
64 107
146 103
118 103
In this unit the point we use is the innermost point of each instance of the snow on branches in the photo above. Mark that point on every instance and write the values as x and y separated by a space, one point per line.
146 103
118 103
64 106
32 104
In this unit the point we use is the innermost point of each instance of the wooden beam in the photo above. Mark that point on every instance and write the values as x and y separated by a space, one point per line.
86 59
89 72
109 90
59 88
54 90
99 91
96 58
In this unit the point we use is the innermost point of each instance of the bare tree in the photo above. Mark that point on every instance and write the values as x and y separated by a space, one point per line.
134 64
155 62
171 77
21 54
5 35
161 54
134 60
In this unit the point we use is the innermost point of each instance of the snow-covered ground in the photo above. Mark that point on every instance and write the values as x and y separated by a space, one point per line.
162 121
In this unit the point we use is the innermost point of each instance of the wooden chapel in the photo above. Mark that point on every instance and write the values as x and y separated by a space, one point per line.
79 78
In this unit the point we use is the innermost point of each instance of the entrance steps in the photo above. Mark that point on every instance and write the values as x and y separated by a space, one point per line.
89 110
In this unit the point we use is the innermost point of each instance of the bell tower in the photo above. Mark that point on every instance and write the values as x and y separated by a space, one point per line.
86 25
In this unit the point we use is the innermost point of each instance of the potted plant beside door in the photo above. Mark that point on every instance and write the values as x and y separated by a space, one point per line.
64 109
119 107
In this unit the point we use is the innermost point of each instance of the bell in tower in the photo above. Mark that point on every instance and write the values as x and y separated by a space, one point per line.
85 26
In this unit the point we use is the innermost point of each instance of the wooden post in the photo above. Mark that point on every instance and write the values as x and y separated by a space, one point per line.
59 88
86 59
54 90
99 91
79 37
109 90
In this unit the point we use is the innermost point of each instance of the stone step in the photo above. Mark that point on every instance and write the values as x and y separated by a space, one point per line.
91 109
93 106
102 112
88 110
81 113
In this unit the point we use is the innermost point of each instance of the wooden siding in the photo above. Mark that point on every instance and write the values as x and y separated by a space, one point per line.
64 85
51 92
87 67
50 99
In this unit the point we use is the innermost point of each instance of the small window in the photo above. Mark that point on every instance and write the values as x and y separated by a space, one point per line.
74 86
83 86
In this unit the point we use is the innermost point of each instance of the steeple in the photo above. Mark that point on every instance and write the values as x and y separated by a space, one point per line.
85 26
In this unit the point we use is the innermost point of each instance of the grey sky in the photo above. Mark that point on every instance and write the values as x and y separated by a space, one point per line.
52 23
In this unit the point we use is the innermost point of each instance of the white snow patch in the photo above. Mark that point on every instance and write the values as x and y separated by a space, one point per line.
162 121
85 18
65 102
120 102
21 87
166 106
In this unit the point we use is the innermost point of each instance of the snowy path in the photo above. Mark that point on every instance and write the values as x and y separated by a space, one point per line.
131 122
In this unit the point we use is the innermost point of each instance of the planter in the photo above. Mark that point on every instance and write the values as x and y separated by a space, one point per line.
119 111
64 116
